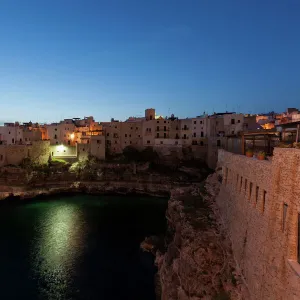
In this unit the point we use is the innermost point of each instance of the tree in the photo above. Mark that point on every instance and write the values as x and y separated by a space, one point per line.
131 154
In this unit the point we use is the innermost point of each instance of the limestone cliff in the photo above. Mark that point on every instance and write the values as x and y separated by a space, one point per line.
197 262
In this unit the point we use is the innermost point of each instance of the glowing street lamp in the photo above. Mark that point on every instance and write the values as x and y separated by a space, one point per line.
72 136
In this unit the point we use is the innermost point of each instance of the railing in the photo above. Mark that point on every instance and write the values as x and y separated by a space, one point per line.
161 129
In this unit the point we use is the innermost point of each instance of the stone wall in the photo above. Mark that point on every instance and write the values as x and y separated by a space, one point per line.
39 152
14 154
259 202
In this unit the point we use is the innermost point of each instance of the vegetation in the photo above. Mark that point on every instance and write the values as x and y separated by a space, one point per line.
132 154
222 296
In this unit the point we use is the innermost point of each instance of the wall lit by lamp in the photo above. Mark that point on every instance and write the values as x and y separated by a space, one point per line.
60 148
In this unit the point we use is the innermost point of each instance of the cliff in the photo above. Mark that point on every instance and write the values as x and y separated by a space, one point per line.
197 262
90 187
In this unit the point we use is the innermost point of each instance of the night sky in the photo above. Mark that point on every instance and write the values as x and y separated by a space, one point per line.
71 58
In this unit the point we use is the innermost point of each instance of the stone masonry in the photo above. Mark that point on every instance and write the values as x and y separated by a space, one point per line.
259 202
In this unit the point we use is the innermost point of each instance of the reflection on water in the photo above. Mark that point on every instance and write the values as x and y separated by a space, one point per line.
80 247
58 244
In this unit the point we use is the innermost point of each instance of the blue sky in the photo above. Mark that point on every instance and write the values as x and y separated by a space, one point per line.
71 58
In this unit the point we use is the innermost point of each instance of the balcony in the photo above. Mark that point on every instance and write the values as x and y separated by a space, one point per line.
162 129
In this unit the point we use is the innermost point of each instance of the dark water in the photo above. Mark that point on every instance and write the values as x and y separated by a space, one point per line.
79 247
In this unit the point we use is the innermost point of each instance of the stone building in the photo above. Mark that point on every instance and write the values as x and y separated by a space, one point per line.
233 123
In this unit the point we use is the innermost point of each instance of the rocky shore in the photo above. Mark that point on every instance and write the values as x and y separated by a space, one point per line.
197 262
89 187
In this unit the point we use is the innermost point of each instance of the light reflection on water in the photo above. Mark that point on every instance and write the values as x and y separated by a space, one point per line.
59 242
80 247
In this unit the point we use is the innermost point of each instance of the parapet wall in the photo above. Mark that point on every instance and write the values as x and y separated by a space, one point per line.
38 152
259 202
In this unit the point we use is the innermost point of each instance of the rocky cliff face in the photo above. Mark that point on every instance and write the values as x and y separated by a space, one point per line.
90 187
197 262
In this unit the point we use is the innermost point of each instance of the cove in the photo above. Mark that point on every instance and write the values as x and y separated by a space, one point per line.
79 247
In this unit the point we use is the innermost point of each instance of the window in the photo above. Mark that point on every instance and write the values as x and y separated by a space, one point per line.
264 201
107 134
13 141
136 128
184 136
129 135
150 117
139 135
256 194
130 142
241 183
69 142
245 185
157 122
125 134
55 136
232 132
164 121
165 128
250 192
232 121
194 128
148 142
116 142
1 157
131 128
161 142
218 143
200 122
83 150
285 207
165 135
201 143
157 128
55 129
195 122
202 133
98 141
157 135
194 134
9 132
239 121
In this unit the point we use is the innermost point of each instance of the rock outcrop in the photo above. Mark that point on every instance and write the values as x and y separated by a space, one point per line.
197 262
